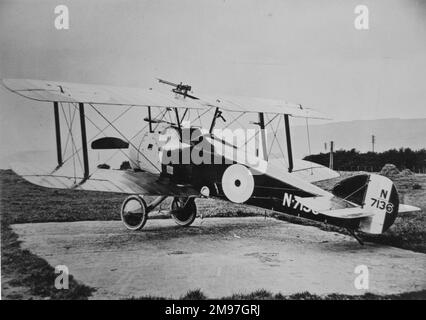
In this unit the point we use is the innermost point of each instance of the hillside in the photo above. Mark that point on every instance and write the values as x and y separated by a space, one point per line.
389 133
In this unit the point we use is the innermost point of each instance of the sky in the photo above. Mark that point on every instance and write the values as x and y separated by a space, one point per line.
304 51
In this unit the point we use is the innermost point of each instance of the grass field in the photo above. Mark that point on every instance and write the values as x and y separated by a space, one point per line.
26 276
266 295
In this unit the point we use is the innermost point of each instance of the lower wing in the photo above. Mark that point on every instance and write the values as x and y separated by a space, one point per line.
119 181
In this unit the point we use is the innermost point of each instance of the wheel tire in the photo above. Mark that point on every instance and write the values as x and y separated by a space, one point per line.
134 218
183 211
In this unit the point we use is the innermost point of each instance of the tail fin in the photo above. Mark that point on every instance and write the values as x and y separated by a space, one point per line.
375 194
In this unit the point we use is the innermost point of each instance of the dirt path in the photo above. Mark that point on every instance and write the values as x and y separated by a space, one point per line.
220 256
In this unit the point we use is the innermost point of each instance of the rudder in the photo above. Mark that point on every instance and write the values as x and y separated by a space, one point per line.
374 193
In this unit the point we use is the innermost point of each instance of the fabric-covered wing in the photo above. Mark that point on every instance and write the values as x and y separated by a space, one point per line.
119 181
255 105
86 93
67 92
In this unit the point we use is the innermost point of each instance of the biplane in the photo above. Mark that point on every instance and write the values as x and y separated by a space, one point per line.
174 154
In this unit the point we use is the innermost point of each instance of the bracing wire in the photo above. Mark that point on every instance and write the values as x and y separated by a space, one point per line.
134 136
257 132
120 133
106 127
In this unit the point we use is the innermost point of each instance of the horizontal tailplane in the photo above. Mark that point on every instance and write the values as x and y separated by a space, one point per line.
376 195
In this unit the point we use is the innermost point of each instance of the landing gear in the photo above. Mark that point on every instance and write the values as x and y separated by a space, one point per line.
134 212
183 210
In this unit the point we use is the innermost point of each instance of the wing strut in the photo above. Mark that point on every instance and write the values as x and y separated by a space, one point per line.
150 120
216 112
84 141
58 135
177 119
288 137
262 132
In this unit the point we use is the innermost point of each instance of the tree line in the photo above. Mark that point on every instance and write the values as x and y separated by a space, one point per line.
351 160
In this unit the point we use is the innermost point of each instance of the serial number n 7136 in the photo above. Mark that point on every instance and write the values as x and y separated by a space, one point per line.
382 205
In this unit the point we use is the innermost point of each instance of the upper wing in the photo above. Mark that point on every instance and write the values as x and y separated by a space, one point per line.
120 181
86 93
68 92
256 105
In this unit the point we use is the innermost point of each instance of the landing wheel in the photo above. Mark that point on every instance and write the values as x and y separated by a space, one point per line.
183 210
134 213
